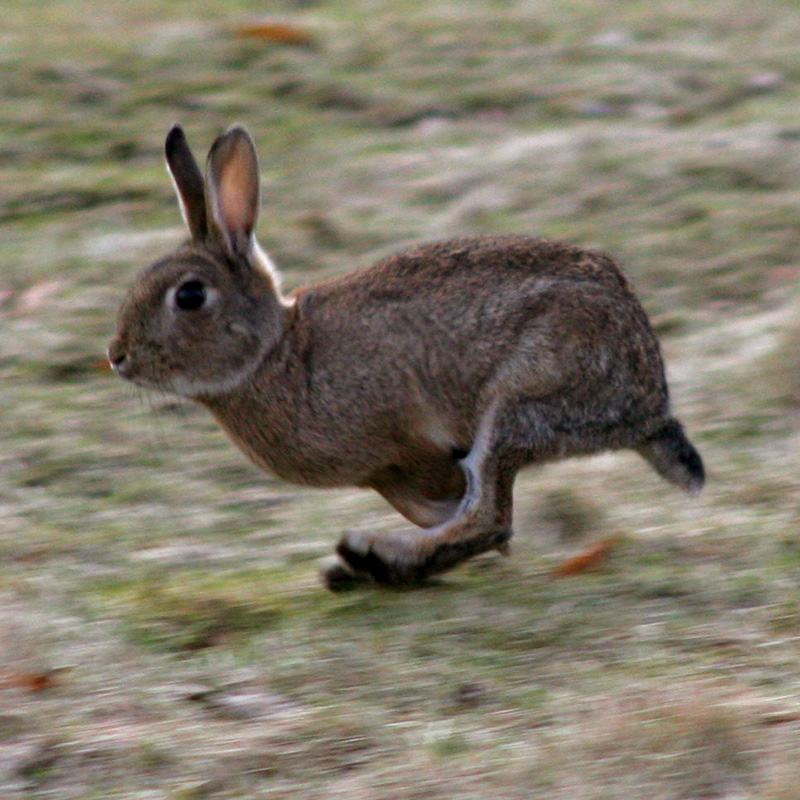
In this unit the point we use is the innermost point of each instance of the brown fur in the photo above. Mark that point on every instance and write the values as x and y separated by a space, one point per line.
431 377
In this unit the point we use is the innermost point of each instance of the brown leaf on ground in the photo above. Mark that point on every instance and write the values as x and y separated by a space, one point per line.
102 365
274 32
590 558
32 682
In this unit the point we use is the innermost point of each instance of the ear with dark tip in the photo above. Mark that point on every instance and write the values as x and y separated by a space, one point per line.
188 180
233 190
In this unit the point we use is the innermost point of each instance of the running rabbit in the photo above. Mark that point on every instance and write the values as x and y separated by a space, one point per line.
431 377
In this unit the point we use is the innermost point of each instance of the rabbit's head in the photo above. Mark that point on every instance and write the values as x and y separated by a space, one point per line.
199 321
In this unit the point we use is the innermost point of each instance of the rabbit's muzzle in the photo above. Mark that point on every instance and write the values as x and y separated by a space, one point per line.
118 359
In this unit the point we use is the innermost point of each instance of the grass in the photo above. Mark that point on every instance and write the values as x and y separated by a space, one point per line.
162 630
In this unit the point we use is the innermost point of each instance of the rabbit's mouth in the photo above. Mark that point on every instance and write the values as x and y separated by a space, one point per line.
174 381
124 365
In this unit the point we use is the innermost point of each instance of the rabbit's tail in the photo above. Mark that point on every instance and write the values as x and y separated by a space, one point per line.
674 457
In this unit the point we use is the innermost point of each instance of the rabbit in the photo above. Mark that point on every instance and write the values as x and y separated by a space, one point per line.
431 377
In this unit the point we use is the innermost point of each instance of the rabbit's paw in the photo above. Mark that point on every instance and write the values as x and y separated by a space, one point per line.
397 560
337 576
390 559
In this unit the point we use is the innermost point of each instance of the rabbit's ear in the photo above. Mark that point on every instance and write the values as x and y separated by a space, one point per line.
234 190
188 180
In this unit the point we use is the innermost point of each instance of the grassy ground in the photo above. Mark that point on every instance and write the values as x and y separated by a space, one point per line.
162 630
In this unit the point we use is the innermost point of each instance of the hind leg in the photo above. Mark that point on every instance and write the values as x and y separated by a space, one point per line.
482 521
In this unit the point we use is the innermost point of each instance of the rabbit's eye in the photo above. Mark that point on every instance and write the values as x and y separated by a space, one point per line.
190 296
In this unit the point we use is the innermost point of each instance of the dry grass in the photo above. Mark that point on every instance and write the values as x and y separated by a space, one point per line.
162 630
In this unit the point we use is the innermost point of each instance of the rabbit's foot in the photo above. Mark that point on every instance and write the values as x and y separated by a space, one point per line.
403 559
337 576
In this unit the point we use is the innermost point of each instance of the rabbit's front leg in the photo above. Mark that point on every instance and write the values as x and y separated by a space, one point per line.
481 523
409 558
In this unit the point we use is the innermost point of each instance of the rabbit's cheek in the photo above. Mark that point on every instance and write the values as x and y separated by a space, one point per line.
239 330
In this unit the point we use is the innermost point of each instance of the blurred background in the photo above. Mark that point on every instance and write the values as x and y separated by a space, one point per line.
163 633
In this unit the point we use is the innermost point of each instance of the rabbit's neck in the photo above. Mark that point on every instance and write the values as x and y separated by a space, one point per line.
265 413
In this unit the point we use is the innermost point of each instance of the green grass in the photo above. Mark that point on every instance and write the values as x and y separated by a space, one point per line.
171 590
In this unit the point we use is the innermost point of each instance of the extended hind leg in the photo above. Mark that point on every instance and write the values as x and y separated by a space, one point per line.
482 521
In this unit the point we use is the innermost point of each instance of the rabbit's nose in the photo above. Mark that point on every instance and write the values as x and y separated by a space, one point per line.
118 359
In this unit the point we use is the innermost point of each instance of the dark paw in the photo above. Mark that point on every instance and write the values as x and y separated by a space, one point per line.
379 569
394 561
337 576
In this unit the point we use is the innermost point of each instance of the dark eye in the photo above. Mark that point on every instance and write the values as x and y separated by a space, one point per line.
190 295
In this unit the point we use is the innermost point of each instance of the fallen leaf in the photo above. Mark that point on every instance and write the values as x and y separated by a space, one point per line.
102 365
33 682
590 558
274 32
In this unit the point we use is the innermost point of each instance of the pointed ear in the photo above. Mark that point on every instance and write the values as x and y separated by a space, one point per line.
234 190
188 180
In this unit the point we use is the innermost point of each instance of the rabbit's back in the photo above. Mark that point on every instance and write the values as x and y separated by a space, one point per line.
459 313
479 263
